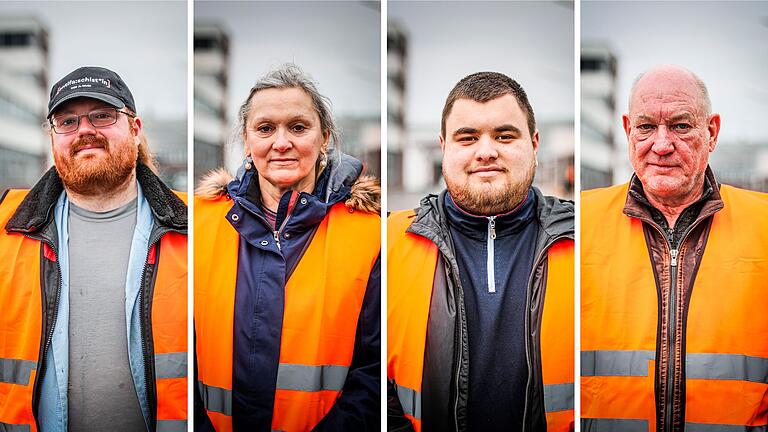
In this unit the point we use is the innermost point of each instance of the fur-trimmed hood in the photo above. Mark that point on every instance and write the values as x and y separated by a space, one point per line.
364 195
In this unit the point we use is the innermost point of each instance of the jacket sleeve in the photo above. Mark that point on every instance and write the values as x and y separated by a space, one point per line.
358 407
396 419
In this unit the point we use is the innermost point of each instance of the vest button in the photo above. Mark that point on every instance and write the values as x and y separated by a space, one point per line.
235 217
303 201
264 242
287 235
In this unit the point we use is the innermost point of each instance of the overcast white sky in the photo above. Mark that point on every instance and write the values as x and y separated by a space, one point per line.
725 43
336 42
530 41
144 42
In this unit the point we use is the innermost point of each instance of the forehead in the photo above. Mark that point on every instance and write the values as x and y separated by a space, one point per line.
79 105
666 95
281 102
486 115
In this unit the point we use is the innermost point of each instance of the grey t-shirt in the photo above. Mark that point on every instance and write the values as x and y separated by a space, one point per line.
101 393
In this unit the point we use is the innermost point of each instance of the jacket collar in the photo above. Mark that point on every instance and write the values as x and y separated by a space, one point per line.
36 210
476 226
555 218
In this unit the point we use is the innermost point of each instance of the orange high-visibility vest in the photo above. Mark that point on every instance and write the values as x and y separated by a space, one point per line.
411 267
726 345
323 299
21 324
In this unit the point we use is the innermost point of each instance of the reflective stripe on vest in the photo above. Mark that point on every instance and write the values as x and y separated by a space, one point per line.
726 359
20 320
631 425
169 331
341 253
21 325
411 265
697 365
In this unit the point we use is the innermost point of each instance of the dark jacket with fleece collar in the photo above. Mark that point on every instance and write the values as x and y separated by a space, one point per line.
259 294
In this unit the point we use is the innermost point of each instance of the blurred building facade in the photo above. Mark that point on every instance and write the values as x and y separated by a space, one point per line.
168 142
24 66
211 70
598 115
361 138
397 56
743 164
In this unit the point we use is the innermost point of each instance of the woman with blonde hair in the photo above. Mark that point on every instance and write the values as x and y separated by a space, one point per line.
287 287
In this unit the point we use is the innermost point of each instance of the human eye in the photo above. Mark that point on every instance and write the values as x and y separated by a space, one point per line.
466 139
681 127
505 137
298 127
102 115
65 121
645 127
264 128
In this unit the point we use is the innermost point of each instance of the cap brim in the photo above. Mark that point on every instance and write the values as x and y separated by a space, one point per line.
115 102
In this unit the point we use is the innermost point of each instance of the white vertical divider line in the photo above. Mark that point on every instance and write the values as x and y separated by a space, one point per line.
577 202
190 214
384 206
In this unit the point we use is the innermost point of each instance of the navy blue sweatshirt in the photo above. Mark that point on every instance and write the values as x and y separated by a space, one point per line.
494 297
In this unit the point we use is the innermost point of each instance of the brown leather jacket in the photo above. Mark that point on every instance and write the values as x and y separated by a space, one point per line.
676 256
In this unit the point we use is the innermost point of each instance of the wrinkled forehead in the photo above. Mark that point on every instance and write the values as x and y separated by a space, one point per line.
663 92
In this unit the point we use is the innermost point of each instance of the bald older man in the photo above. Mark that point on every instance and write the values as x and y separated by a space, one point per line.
674 269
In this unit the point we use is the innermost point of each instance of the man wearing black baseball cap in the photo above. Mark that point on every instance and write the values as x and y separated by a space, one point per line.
93 275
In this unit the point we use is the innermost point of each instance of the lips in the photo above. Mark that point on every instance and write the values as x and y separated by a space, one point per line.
486 169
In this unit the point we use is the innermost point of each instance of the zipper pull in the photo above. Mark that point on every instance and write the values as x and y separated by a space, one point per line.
277 240
492 227
674 257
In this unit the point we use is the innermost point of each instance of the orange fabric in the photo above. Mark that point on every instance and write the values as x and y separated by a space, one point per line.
21 319
557 341
169 322
411 267
323 299
216 244
619 307
21 316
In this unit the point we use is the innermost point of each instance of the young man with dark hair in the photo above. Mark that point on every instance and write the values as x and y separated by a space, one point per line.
480 279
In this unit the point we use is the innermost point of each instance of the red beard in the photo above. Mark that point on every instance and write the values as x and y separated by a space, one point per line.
96 174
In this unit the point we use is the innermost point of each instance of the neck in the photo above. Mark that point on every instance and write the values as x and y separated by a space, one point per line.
271 194
672 207
107 200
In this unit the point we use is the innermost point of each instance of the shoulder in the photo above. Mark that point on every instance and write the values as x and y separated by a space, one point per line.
755 203
213 185
606 194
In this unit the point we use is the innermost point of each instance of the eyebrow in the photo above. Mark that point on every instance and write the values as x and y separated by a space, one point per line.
465 131
674 118
508 128
302 117
683 116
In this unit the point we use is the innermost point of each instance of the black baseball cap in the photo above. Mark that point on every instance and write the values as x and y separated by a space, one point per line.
91 82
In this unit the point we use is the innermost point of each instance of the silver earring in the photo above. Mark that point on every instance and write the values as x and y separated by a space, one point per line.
248 162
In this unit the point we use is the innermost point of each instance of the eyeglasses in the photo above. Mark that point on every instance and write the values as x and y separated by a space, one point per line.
99 118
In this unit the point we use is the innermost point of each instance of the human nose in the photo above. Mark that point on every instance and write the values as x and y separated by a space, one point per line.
282 140
85 127
662 143
486 149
